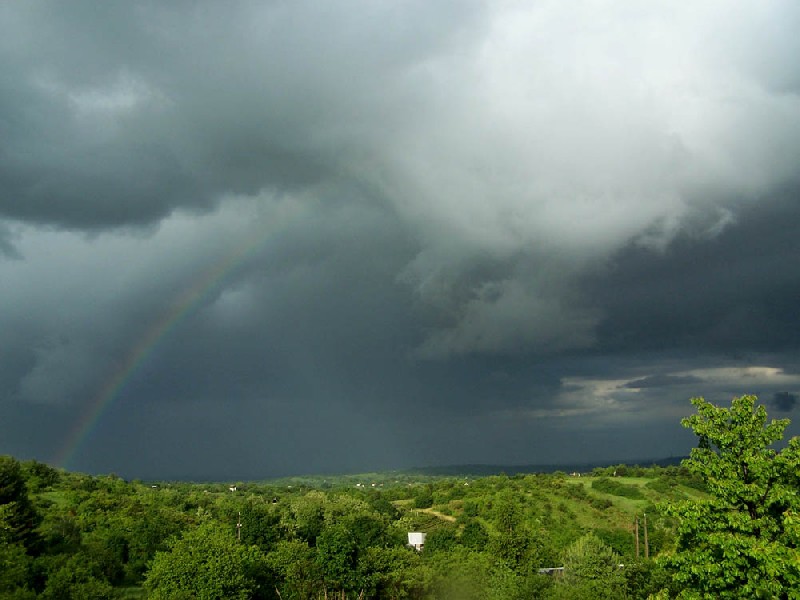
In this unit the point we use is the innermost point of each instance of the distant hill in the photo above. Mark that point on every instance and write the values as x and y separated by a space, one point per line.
483 470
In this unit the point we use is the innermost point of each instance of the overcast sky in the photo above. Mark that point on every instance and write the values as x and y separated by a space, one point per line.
248 239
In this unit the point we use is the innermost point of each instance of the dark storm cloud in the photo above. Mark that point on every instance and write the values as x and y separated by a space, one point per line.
784 401
329 233
118 115
731 294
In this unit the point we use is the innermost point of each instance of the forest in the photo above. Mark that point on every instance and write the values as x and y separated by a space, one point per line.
724 524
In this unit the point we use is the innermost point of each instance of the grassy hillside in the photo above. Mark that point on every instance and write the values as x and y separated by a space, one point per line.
560 508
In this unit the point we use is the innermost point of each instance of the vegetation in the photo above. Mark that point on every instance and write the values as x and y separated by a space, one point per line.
742 541
617 488
723 525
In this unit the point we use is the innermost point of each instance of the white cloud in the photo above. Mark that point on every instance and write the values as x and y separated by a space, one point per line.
571 130
661 394
746 378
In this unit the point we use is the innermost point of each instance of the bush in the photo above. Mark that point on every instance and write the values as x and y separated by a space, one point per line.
423 498
440 540
662 485
600 503
576 491
615 488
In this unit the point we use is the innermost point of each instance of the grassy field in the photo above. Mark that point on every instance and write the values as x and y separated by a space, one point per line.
562 508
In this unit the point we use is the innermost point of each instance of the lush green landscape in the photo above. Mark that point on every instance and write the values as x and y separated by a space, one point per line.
70 535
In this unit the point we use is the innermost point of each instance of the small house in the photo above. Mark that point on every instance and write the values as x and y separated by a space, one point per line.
416 539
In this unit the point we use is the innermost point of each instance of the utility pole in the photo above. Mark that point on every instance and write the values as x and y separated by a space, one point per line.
646 544
636 535
239 528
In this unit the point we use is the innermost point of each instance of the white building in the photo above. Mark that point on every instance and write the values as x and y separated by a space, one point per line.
416 539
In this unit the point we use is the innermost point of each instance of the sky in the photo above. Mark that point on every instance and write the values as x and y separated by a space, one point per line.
250 239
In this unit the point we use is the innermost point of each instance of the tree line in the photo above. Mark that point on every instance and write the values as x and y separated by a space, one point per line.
723 525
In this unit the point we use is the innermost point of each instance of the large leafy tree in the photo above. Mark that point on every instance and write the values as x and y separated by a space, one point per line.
76 578
742 542
19 519
206 563
591 572
512 541
298 573
14 561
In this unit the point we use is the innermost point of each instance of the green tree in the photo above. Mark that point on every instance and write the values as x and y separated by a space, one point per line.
396 573
644 578
380 503
260 521
39 475
109 550
295 566
338 556
60 531
341 548
463 574
148 527
206 563
441 540
424 497
307 517
19 517
474 535
591 572
743 541
14 561
78 578
512 540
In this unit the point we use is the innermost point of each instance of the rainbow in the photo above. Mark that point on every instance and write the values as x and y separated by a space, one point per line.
184 304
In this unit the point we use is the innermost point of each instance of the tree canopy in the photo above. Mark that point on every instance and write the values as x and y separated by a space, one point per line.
742 542
205 563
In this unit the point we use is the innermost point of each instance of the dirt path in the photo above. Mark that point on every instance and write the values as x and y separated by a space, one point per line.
439 515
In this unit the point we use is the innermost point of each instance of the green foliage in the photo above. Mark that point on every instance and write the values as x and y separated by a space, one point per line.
100 536
576 491
14 567
591 571
260 521
396 573
512 540
308 514
644 579
615 488
19 519
205 563
78 578
109 550
474 536
296 569
380 503
424 497
463 574
60 531
441 540
337 557
471 508
40 476
619 540
743 541
351 531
